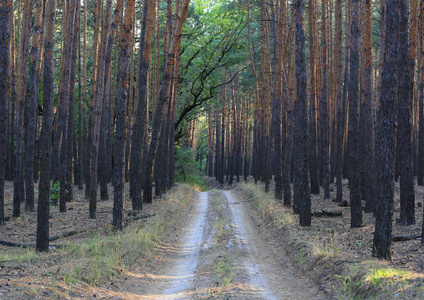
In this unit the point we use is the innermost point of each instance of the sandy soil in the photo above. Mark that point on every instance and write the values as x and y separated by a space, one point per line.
259 270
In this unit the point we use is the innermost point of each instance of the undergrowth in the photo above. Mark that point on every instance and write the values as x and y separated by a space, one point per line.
187 169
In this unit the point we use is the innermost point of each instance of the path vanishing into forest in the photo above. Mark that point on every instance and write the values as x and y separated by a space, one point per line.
221 253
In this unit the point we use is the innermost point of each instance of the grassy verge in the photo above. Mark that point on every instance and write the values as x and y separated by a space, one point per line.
106 254
317 252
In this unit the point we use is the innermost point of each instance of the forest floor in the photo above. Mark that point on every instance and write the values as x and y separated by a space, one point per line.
337 257
233 242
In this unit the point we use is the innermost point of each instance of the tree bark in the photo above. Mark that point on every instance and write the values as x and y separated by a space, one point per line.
324 107
386 136
46 131
340 115
6 6
137 138
366 124
120 136
96 111
404 126
313 46
32 109
353 131
19 190
173 45
301 174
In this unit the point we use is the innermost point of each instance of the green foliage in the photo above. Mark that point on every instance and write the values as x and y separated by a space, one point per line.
55 191
187 169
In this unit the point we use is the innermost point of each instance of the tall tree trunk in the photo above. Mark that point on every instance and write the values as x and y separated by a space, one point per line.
32 109
96 111
104 175
173 45
46 131
6 6
120 136
70 141
340 113
96 40
265 95
313 51
61 135
324 107
420 174
137 138
366 124
301 175
353 139
386 136
404 126
19 191
10 155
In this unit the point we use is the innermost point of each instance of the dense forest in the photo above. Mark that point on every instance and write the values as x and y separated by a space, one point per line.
296 94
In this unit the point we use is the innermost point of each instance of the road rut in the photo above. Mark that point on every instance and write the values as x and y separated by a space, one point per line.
256 268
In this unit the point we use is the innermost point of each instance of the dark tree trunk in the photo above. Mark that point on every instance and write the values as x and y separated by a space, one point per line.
19 189
404 126
325 128
102 171
96 112
137 138
32 110
346 78
353 148
63 132
366 142
46 131
313 156
70 146
120 136
81 127
6 6
340 114
217 148
301 172
222 151
10 154
420 167
386 136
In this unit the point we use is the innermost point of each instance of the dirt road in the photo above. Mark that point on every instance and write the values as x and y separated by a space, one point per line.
222 254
